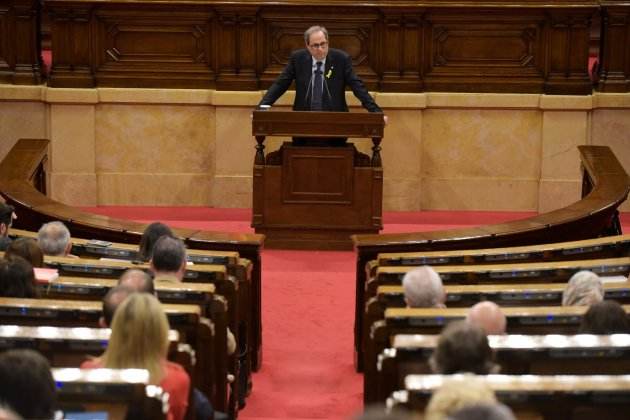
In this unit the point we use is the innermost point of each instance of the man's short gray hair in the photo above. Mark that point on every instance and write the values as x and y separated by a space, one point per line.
584 289
310 31
423 288
53 238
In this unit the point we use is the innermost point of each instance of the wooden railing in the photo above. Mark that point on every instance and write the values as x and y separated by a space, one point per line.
396 45
22 183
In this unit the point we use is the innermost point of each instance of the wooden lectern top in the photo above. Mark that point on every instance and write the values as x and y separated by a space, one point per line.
275 122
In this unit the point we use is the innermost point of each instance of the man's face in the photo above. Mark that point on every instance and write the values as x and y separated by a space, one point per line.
318 45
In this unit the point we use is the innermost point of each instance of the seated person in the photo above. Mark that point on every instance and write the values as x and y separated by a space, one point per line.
463 347
457 394
423 288
151 234
139 339
489 316
27 386
28 249
7 214
168 262
605 317
484 411
17 278
54 239
584 289
138 280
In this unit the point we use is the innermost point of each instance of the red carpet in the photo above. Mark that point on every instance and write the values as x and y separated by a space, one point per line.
308 310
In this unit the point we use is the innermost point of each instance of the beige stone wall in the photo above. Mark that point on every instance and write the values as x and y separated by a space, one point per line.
194 147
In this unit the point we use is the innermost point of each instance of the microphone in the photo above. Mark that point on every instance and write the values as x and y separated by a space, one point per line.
327 90
309 89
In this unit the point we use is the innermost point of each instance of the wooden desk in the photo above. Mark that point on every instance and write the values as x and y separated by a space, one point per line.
552 397
121 393
515 354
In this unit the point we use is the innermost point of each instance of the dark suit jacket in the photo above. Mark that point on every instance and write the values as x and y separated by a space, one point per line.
337 75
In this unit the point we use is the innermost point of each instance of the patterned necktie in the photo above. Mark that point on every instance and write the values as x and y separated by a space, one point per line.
316 101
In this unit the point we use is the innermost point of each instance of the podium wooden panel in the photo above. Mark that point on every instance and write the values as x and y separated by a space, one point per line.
314 196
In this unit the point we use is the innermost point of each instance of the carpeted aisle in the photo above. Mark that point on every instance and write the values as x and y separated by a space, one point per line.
308 310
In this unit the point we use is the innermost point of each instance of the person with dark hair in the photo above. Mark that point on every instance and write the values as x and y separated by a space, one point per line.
150 236
605 317
27 384
169 260
7 214
137 280
17 278
28 249
111 301
463 347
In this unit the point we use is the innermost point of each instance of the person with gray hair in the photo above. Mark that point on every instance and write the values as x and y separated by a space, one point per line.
423 288
321 75
54 239
168 262
583 289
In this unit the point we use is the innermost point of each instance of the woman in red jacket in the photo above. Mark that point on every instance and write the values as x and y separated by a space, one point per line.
139 340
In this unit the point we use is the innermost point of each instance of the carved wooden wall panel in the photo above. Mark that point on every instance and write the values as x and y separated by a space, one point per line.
20 52
401 67
615 48
152 48
6 56
492 53
70 41
396 46
568 52
236 48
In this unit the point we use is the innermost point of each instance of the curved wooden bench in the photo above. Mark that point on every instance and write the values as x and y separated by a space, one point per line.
605 186
535 396
23 184
516 355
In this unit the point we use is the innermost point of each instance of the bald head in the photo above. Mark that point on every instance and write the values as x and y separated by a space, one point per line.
137 280
489 316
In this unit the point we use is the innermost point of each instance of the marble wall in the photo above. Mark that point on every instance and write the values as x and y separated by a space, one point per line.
194 147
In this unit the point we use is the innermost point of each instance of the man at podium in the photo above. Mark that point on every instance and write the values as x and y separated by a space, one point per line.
321 75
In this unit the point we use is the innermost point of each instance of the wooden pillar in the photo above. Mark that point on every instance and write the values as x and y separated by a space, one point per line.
71 40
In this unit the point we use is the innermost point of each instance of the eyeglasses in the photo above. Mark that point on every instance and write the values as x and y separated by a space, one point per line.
321 45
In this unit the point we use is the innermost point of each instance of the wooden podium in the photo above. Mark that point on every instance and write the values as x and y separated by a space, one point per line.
315 192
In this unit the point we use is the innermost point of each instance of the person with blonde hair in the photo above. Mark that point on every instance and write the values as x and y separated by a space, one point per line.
139 340
583 289
457 393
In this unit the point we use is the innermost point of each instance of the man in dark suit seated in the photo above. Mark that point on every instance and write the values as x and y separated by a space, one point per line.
321 75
